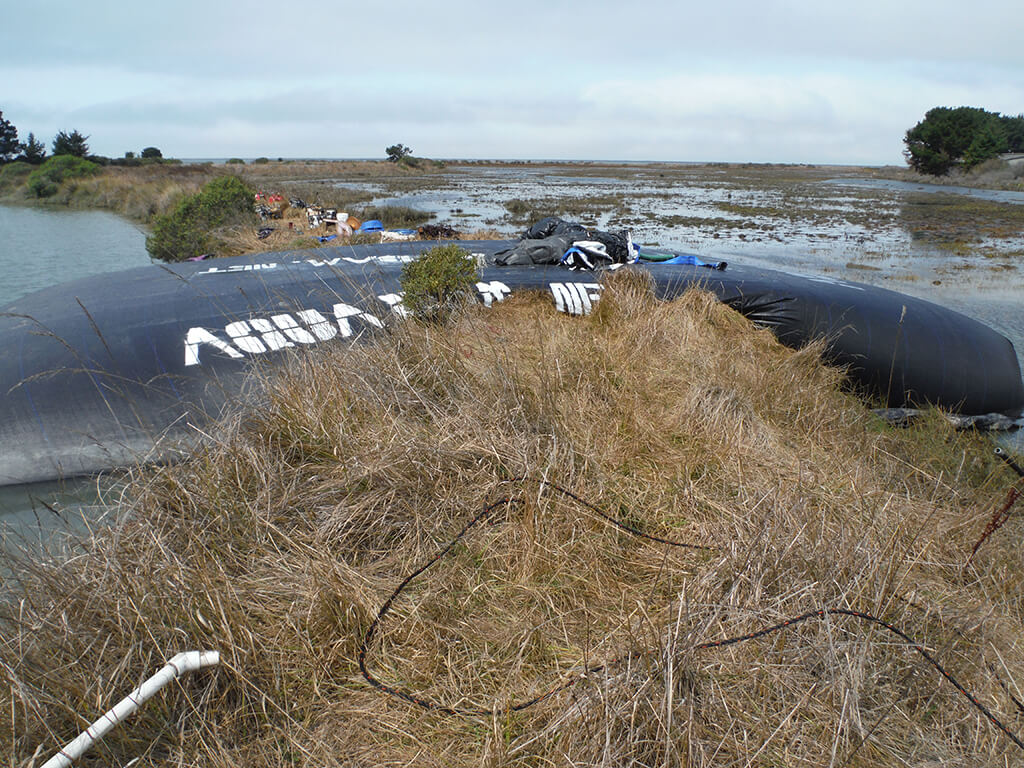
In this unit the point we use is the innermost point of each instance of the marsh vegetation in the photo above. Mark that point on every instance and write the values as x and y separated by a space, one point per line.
279 542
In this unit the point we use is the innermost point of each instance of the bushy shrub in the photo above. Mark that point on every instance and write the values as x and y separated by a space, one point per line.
187 231
45 180
437 283
15 168
235 161
13 175
40 186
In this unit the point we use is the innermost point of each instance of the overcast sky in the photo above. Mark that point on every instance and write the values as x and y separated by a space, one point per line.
733 80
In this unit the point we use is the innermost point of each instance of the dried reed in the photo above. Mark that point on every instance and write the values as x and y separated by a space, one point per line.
278 541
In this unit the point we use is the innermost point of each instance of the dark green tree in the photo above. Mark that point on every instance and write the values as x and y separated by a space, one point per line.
951 136
151 152
1014 129
397 151
9 146
989 141
32 150
72 143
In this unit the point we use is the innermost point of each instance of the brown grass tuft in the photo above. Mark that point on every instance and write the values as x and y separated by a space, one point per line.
279 541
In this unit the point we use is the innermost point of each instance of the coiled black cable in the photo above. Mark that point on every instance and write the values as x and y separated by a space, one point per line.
486 512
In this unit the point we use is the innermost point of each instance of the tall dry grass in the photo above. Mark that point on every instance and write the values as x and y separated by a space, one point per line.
139 193
278 543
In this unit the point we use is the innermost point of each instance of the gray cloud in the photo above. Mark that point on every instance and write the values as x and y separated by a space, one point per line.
788 79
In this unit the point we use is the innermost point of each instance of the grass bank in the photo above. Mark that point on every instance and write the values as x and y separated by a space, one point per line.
139 193
143 192
280 541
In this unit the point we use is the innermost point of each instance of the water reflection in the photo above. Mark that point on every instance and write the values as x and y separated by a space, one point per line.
44 517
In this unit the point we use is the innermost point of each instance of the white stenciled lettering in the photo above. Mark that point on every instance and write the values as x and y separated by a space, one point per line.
237 268
342 313
394 300
575 298
239 332
258 335
566 300
589 294
292 330
197 336
387 259
493 291
272 337
319 324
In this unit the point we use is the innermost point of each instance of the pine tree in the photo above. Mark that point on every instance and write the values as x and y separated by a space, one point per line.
9 145
70 144
33 151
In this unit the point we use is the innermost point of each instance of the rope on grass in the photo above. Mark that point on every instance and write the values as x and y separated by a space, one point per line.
487 511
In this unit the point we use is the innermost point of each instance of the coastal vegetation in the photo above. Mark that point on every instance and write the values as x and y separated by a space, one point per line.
280 541
73 143
55 171
437 284
9 145
684 205
964 136
191 229
397 152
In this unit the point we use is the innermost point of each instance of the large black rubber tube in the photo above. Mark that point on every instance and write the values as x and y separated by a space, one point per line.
111 369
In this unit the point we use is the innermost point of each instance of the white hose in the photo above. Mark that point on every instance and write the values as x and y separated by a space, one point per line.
188 661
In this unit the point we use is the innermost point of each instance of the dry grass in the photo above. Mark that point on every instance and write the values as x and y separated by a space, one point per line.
331 169
140 193
279 542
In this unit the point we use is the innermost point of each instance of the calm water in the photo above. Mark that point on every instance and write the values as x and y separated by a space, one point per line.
33 517
40 247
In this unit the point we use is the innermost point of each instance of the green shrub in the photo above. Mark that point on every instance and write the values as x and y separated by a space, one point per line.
41 187
47 178
235 161
13 175
261 161
437 284
188 230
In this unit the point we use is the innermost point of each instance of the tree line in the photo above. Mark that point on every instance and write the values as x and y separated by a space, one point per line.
963 137
71 143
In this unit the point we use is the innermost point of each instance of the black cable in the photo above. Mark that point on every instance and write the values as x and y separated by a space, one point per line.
820 613
1006 457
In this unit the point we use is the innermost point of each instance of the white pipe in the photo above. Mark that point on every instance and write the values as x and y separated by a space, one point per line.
188 661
